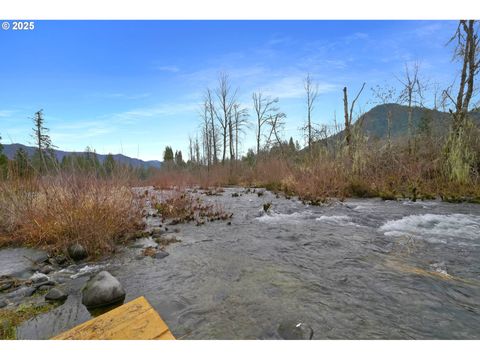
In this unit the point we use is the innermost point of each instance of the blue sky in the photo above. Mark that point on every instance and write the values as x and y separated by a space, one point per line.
133 87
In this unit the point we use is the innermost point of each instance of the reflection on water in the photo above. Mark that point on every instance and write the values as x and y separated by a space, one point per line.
363 269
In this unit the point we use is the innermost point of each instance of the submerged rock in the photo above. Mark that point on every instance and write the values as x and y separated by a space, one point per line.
101 290
77 252
290 330
56 294
161 254
3 303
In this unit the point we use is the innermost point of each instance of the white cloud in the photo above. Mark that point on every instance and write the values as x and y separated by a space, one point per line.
119 95
6 113
292 87
168 68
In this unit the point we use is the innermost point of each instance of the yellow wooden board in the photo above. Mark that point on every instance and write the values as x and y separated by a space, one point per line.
135 320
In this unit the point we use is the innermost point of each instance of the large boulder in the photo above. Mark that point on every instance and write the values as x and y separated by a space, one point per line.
102 290
77 252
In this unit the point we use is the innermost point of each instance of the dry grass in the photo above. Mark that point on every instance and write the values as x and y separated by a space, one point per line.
182 207
373 170
54 212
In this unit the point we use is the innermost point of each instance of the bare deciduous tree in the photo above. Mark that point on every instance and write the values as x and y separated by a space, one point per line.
276 123
240 116
210 103
206 134
467 50
226 98
461 143
311 91
264 106
412 94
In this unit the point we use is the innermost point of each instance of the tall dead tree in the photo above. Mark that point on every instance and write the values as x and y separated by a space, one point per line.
467 50
276 123
412 94
206 134
190 148
231 136
226 99
210 104
461 143
240 116
311 91
264 107
349 115
197 150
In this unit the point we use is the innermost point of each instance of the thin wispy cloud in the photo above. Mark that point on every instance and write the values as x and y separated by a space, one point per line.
168 68
123 96
6 113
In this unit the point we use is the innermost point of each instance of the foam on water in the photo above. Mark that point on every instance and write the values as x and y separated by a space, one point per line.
336 220
87 269
435 228
273 217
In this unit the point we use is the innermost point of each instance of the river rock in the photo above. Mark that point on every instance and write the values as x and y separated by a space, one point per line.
77 252
45 287
59 260
101 290
50 283
3 303
290 330
161 254
47 269
56 294
39 278
6 284
24 291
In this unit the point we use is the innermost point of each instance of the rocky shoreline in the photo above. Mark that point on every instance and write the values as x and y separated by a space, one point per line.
33 279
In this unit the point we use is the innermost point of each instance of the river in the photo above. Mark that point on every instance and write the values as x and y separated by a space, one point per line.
359 269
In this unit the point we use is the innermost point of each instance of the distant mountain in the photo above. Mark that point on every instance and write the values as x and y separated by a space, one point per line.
374 121
11 149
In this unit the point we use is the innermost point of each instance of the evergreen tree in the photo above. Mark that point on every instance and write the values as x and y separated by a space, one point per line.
179 158
168 155
21 163
425 123
250 157
291 145
109 164
44 158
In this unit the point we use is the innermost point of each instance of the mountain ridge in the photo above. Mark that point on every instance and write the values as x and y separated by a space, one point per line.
10 149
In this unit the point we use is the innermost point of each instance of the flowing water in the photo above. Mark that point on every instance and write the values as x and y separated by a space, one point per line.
361 269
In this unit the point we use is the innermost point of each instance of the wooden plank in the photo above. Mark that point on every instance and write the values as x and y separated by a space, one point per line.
135 320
